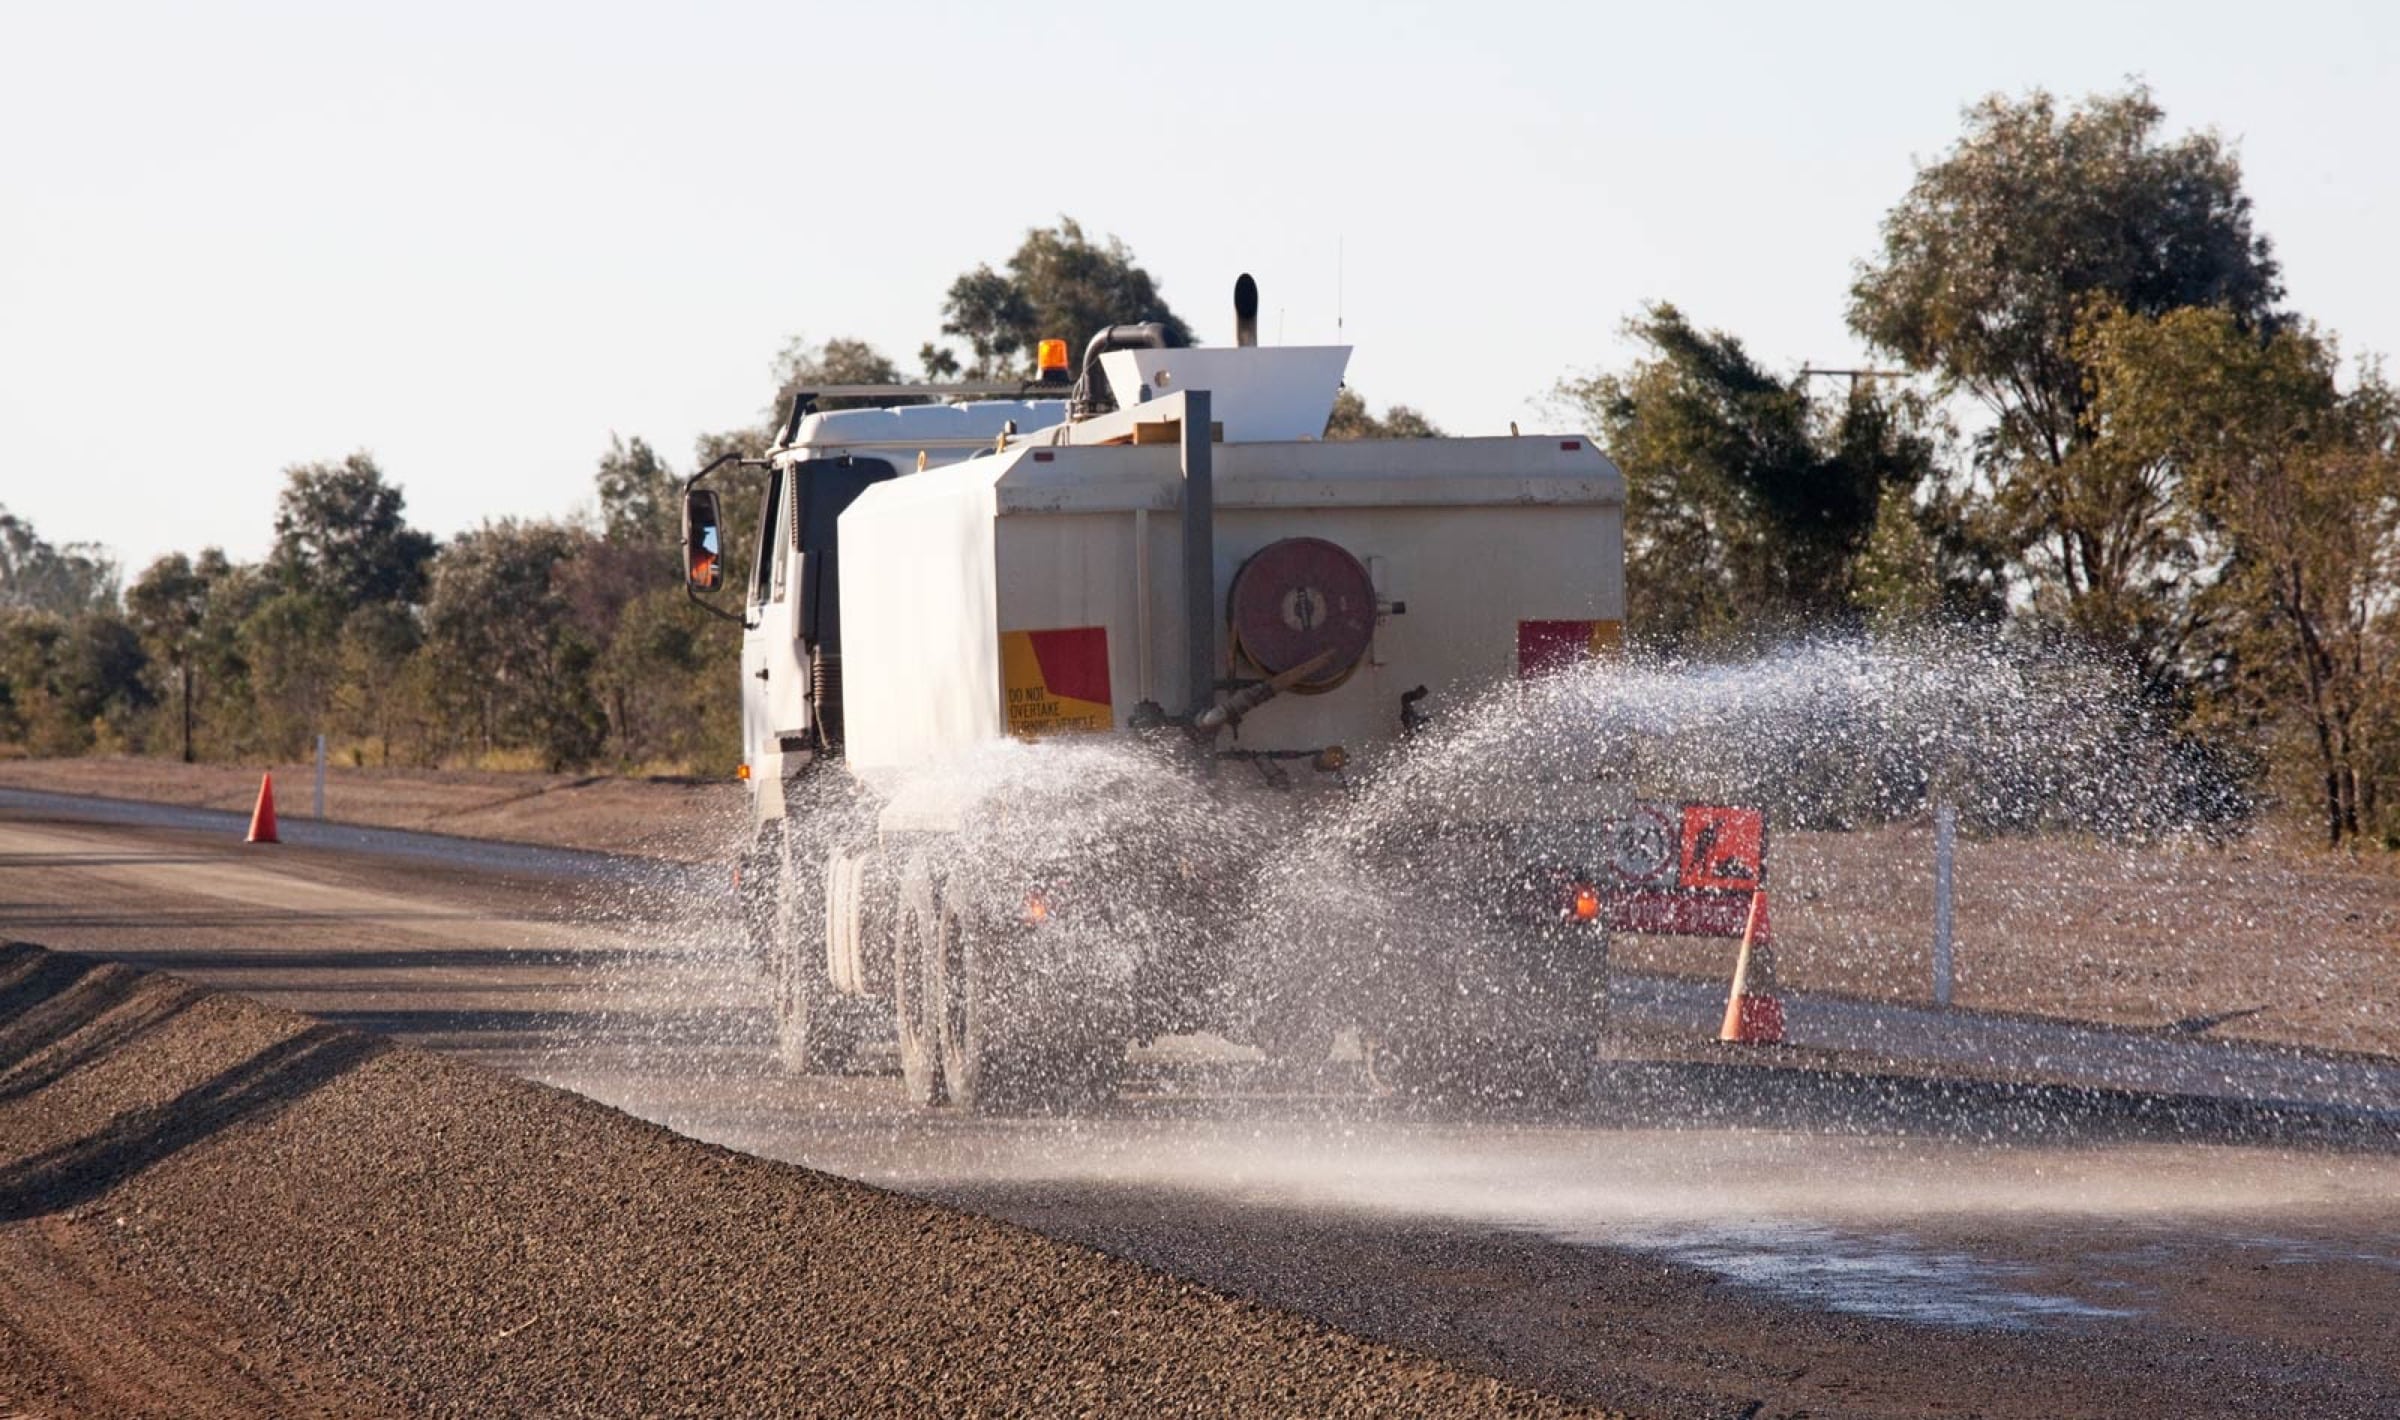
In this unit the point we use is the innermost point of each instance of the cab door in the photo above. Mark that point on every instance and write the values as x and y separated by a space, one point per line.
774 664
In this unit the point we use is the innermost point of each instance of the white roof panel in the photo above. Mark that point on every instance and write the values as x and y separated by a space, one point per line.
1259 393
927 425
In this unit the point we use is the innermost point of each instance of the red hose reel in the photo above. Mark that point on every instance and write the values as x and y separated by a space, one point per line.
1297 599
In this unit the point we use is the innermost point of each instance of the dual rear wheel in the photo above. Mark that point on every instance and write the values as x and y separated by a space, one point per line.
995 1017
1534 1072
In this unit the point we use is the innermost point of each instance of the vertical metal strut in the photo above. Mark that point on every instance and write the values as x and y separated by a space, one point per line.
1199 553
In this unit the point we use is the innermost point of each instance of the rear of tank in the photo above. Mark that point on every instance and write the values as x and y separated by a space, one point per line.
1038 592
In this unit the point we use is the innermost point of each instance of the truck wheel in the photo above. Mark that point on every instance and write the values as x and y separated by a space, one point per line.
983 1071
814 1032
1527 1072
1297 1036
756 883
914 948
1013 1041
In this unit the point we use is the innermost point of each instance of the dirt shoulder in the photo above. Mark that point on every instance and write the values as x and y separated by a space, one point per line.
671 818
79 1335
248 1204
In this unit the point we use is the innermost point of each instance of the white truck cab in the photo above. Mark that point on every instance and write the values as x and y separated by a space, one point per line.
791 637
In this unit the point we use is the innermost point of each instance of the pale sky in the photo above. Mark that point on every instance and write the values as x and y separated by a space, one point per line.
475 239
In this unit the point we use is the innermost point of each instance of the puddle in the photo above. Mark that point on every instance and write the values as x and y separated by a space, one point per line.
2304 1252
1864 1275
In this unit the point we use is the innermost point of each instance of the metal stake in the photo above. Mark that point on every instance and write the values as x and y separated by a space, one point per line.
1945 851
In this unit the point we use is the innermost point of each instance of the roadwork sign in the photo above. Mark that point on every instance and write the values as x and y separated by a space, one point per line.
1724 848
1679 870
1685 870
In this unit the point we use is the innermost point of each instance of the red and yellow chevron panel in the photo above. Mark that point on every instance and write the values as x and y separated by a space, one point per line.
1056 680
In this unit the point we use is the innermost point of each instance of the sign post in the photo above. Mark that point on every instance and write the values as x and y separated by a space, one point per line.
320 778
1945 851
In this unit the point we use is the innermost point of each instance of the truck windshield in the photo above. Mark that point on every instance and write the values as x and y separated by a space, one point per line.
761 580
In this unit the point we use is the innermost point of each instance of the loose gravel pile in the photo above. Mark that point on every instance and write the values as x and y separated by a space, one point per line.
467 1243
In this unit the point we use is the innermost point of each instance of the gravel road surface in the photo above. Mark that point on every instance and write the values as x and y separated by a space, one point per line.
449 1240
1801 1233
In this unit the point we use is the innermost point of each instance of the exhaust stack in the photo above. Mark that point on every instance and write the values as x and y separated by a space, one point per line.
1245 310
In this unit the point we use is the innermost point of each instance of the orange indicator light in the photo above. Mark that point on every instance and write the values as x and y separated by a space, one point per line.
1587 903
1050 355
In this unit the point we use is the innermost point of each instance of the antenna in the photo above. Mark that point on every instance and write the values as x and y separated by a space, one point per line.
1340 261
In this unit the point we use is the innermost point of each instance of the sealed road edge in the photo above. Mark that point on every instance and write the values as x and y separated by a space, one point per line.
329 1204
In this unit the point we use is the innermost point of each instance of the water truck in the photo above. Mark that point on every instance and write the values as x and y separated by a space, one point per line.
1159 558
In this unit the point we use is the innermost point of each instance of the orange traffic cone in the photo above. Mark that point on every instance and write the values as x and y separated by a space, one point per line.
1753 1013
262 818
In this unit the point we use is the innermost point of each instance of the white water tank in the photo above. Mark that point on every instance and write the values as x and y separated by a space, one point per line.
1038 591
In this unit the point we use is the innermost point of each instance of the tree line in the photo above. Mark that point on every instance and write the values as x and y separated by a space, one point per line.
2091 419
2094 421
520 644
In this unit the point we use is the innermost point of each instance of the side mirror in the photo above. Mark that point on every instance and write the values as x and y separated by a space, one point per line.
703 541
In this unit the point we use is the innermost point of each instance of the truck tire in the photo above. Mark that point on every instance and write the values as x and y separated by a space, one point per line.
816 1030
757 880
1511 1025
1015 1039
1542 1073
1295 1031
914 948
